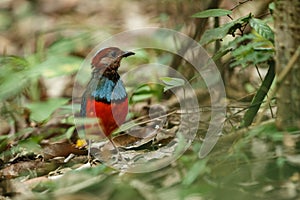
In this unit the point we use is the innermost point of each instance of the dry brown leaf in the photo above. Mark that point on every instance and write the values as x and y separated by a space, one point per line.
61 150
23 168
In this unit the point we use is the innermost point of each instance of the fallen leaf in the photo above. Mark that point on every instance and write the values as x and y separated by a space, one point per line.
61 150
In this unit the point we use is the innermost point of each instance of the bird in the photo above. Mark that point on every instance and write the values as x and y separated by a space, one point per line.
105 96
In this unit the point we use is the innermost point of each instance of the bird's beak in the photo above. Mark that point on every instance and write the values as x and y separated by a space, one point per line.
127 53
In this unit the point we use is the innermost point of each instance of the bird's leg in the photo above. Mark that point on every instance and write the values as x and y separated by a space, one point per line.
118 152
89 150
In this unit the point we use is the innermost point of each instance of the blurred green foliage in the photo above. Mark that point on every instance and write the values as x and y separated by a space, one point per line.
40 111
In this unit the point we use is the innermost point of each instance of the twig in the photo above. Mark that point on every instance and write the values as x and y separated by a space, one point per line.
289 66
239 4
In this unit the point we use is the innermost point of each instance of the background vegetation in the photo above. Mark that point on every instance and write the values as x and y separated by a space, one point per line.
42 45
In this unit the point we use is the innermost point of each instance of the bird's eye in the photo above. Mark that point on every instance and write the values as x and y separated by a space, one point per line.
113 53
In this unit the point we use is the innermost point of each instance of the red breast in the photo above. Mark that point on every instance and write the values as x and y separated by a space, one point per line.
110 116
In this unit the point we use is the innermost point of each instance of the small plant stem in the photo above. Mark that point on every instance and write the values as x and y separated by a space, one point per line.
279 80
259 97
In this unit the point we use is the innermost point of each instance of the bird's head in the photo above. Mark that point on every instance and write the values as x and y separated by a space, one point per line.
108 59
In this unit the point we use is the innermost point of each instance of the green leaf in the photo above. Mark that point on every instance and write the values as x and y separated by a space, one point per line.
13 63
220 32
12 77
69 132
219 54
67 45
171 82
253 57
146 91
212 13
62 46
30 145
58 65
142 93
231 46
272 7
198 168
216 33
281 161
141 97
253 53
262 28
248 49
143 89
267 130
238 41
40 111
12 85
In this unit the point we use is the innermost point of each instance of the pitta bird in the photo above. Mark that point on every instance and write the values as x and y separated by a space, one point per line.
105 97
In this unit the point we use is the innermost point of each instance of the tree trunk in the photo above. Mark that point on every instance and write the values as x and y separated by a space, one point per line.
287 40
